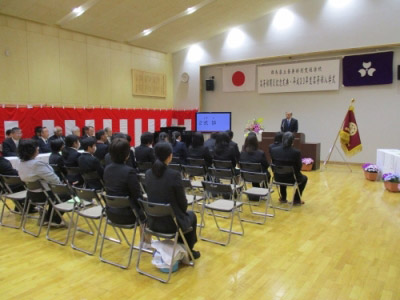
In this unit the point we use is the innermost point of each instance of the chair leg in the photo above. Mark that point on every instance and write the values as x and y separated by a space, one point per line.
70 223
21 213
41 218
96 240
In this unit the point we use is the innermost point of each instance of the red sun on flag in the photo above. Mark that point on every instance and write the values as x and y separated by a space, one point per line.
238 78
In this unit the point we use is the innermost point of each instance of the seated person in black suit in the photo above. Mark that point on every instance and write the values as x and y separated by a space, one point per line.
286 155
210 143
70 155
163 137
224 151
164 185
132 160
57 134
198 150
43 141
179 148
76 131
144 152
101 145
88 163
10 144
277 141
8 133
233 144
38 133
55 158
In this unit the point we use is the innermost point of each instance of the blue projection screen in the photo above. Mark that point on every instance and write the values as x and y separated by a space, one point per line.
213 121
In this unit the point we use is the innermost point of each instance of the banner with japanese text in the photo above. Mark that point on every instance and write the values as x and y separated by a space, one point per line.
299 77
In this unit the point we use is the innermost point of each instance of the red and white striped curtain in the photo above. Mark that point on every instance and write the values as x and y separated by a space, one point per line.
131 121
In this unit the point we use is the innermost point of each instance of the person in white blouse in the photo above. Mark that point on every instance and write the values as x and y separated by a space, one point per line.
31 169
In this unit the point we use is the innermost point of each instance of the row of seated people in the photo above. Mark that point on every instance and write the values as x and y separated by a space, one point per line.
120 179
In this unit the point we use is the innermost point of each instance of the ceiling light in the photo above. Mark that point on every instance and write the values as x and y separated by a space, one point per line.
283 18
195 53
235 38
339 3
78 11
147 32
190 10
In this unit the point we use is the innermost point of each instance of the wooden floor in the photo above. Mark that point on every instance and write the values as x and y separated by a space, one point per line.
344 243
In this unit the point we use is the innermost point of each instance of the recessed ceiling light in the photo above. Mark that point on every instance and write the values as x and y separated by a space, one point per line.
195 53
283 18
147 32
78 11
339 3
190 10
235 38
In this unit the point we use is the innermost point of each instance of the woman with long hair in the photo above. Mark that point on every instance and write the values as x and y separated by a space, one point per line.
198 150
164 185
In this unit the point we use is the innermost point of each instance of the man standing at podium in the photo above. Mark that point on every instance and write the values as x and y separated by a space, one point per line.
289 124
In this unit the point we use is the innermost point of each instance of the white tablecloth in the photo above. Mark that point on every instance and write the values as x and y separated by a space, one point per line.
388 161
15 160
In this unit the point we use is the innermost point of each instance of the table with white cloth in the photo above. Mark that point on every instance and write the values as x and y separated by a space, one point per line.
15 159
388 160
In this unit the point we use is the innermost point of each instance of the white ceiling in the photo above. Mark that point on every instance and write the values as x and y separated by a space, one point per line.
124 20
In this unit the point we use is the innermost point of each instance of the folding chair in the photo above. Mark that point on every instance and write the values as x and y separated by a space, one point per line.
142 184
197 162
285 171
59 172
90 215
250 167
73 171
221 205
195 171
176 160
162 210
40 206
6 182
262 192
90 177
176 167
191 197
143 166
119 202
61 193
227 165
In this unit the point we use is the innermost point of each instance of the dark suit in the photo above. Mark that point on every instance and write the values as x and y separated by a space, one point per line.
179 150
56 159
169 189
101 151
44 146
201 152
235 146
9 147
144 153
130 162
121 180
210 144
293 125
87 164
271 146
289 156
70 156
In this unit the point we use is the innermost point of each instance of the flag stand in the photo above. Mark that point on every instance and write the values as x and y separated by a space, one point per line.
335 147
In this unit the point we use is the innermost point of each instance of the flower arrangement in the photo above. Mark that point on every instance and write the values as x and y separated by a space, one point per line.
254 125
370 168
307 161
390 177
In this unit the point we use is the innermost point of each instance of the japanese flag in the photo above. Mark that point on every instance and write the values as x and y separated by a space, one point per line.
239 78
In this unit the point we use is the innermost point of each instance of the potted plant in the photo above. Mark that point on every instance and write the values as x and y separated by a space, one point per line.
391 182
370 171
307 164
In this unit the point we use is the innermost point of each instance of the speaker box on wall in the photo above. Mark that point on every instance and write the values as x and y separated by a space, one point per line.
398 72
209 84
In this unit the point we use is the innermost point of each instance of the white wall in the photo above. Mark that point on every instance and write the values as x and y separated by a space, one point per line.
318 27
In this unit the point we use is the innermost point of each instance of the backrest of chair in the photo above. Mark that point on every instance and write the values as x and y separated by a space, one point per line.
35 185
143 166
10 181
157 210
187 184
175 167
91 176
87 194
256 177
222 164
176 160
116 201
59 171
217 188
61 191
283 171
221 173
194 170
73 170
250 167
196 161
142 182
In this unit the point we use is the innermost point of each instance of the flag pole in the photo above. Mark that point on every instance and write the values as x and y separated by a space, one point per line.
334 143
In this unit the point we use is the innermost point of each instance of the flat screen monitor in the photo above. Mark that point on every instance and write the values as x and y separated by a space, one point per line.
213 121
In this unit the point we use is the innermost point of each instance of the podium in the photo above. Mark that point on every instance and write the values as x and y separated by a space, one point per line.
311 150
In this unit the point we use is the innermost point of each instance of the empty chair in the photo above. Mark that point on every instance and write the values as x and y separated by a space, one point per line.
18 198
263 191
191 196
232 207
161 211
195 171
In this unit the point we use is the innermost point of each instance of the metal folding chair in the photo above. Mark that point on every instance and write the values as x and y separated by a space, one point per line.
285 171
250 167
262 192
90 177
73 171
176 167
119 202
6 182
195 171
143 166
60 172
231 207
162 210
